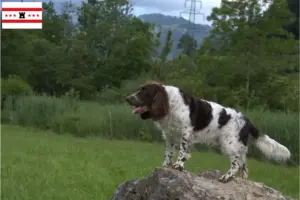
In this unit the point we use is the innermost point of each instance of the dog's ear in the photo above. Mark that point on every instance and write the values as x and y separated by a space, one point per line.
160 104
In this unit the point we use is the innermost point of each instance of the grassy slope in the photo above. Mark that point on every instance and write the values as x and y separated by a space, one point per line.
43 165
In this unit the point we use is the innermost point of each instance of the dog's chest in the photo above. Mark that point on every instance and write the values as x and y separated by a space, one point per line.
171 128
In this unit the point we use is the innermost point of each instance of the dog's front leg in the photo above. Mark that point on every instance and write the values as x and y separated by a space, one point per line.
183 152
169 150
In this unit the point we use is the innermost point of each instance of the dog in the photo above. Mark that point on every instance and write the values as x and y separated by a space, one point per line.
185 120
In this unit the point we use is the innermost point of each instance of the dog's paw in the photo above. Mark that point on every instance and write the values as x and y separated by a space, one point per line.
225 178
244 176
166 164
178 166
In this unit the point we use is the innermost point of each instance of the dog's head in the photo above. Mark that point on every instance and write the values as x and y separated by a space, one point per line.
150 101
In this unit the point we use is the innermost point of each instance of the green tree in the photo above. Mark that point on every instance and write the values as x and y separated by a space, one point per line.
159 69
14 57
38 57
241 33
167 46
243 27
107 46
118 44
294 27
188 44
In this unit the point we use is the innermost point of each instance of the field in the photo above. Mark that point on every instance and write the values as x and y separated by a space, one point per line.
40 164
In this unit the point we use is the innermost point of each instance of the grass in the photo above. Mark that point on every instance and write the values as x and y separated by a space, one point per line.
39 164
115 121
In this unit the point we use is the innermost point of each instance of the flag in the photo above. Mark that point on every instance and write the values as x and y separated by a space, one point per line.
22 15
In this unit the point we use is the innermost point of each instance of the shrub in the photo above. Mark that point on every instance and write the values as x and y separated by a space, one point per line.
36 111
117 95
116 121
14 86
78 118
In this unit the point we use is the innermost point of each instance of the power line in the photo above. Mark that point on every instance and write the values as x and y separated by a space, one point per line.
193 9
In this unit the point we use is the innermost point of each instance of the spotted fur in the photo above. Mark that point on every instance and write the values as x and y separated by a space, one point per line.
190 120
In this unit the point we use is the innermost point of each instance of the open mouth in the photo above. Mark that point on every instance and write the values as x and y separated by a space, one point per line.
139 109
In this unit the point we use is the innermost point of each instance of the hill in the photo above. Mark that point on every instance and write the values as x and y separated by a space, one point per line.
179 26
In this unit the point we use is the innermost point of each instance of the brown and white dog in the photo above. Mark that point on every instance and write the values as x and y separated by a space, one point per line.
185 120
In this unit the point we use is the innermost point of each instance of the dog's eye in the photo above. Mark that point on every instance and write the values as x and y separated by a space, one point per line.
142 88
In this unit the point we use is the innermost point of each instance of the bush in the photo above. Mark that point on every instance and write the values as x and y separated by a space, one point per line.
236 81
36 111
222 79
118 95
14 86
116 121
79 118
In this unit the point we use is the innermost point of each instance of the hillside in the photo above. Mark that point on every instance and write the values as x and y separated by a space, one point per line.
179 26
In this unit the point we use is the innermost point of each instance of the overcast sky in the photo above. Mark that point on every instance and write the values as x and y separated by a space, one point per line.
174 8
166 7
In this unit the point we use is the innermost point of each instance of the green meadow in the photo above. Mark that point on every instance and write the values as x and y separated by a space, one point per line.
38 164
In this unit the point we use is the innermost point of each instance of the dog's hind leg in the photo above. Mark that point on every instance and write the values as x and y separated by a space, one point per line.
234 161
236 151
243 167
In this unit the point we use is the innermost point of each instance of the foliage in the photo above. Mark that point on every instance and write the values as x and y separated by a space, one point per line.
14 86
79 118
67 115
179 26
242 62
111 95
167 47
107 46
255 49
294 27
243 28
187 44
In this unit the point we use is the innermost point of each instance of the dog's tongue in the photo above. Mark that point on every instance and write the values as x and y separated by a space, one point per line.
138 110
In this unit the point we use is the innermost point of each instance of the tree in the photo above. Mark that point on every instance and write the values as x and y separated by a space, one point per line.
243 23
167 46
14 58
188 44
119 43
241 33
294 27
107 46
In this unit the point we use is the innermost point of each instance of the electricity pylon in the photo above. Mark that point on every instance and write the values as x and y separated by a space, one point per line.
193 9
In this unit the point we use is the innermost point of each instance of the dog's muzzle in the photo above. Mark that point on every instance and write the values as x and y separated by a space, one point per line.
131 99
138 106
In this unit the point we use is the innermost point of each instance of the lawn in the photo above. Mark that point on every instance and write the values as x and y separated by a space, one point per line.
40 165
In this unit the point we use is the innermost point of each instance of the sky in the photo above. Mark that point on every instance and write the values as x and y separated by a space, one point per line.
166 7
175 8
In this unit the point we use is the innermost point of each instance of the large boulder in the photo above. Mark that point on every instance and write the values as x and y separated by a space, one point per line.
170 184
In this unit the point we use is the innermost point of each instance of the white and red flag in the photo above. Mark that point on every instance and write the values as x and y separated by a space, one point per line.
22 15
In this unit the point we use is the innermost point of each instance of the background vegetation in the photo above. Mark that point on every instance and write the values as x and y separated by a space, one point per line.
115 121
72 76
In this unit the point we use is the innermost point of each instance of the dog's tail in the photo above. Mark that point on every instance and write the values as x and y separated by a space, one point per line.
268 146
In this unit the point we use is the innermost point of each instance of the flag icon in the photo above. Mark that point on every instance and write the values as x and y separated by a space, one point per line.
22 15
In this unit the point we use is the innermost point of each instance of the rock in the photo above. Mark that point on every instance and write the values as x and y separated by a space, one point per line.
170 184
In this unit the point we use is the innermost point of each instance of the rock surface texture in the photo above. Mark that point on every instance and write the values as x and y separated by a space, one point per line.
170 184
